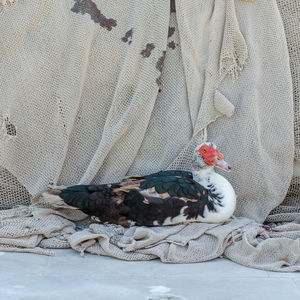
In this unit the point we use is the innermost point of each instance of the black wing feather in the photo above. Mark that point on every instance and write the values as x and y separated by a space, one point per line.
115 202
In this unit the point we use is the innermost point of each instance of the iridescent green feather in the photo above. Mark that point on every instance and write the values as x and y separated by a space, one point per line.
175 186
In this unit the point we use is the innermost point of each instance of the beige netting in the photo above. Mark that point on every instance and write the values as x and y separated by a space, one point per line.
290 12
108 95
95 93
11 191
289 210
5 3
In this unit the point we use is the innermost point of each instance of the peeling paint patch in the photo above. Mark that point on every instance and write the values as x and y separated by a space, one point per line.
128 37
89 7
172 45
147 52
171 31
160 66
10 128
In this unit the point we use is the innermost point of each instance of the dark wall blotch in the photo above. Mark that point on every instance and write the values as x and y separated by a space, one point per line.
89 7
10 128
128 37
147 52
171 31
160 66
173 6
172 45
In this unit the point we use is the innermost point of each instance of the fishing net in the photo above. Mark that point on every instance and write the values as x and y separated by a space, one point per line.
90 93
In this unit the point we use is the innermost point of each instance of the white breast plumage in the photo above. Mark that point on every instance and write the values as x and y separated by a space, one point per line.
222 195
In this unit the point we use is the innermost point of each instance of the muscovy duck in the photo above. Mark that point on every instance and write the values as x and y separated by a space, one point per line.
163 198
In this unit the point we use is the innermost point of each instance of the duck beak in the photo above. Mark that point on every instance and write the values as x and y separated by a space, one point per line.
222 164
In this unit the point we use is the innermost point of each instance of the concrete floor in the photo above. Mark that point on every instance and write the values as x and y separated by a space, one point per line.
70 276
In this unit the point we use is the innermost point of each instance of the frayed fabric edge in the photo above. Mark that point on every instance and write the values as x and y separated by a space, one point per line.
231 66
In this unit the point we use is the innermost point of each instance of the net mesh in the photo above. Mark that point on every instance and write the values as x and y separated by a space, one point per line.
290 11
289 210
84 104
13 193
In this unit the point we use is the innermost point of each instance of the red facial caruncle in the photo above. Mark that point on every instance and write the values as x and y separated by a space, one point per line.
213 157
210 154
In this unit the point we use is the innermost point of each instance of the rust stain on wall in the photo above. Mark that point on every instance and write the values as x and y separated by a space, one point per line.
147 52
128 37
89 7
160 66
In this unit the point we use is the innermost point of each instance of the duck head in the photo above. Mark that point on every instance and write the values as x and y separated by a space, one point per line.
206 156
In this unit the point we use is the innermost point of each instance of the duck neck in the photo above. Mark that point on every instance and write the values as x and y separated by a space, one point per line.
203 175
